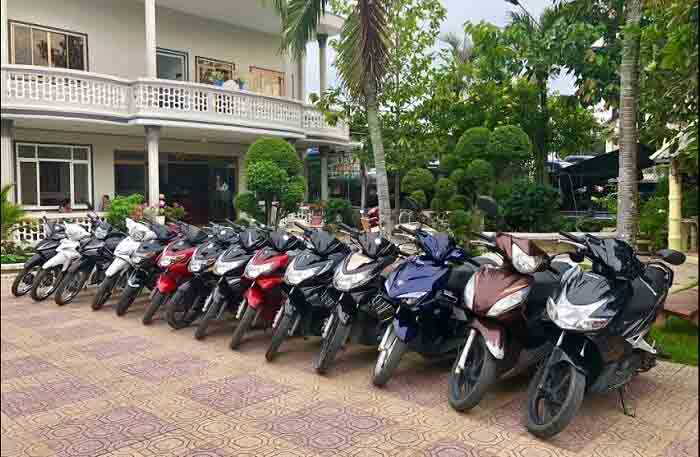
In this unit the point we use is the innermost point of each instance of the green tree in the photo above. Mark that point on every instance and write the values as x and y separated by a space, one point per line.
418 179
471 146
509 150
575 129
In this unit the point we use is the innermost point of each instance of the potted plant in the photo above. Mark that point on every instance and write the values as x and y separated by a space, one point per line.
217 77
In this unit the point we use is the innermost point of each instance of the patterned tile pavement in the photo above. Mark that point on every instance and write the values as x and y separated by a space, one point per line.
77 383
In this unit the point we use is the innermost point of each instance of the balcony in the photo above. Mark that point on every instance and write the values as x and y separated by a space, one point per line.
40 92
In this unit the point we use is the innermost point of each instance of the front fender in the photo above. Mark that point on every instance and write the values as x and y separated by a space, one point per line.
35 261
118 266
166 284
137 278
494 335
84 264
59 260
406 324
254 297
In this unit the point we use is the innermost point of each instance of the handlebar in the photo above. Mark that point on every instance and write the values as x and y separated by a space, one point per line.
352 231
572 237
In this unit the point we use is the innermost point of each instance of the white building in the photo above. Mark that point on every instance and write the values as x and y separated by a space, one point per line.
111 97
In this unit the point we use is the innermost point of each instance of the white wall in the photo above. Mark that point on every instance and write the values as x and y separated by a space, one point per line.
116 35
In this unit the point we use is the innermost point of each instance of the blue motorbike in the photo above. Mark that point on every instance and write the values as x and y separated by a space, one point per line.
427 291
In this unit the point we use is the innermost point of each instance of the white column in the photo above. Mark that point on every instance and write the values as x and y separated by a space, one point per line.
152 146
4 33
151 41
301 151
323 62
301 78
675 205
241 175
324 173
7 158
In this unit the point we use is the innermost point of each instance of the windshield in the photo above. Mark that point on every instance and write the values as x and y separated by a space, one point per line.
614 258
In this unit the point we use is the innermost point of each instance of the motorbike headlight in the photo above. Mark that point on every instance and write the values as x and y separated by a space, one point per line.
524 263
345 282
221 268
510 302
576 318
200 265
142 257
252 270
294 276
168 260
412 298
469 292
100 233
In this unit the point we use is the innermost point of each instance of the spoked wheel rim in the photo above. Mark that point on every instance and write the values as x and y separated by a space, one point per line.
74 286
47 285
551 397
468 378
25 284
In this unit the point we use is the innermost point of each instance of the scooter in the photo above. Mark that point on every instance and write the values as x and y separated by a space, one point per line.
187 304
427 291
121 266
145 271
54 269
360 314
305 282
264 275
174 263
229 268
95 256
43 251
602 320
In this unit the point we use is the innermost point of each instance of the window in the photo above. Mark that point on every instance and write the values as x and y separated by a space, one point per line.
130 172
267 82
50 174
172 65
210 71
47 47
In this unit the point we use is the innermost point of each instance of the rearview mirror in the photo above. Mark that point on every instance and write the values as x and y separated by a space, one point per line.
671 256
487 205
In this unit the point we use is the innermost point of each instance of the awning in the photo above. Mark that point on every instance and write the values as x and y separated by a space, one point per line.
602 168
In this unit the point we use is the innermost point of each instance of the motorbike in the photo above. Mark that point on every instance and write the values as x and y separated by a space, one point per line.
227 295
359 312
263 277
174 263
602 319
54 269
95 256
305 281
187 303
145 270
427 292
43 251
121 266
506 334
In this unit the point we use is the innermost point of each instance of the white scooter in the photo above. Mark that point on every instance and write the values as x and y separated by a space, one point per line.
53 270
121 266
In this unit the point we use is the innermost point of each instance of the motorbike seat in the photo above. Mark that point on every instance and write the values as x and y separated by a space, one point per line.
458 278
546 283
643 299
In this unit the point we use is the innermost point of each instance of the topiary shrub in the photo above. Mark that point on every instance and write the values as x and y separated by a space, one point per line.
418 179
247 202
480 175
531 207
420 198
277 151
459 202
472 145
509 150
444 190
338 207
461 225
123 207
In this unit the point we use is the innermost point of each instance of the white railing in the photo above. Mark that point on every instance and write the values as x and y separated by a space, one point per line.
32 230
72 93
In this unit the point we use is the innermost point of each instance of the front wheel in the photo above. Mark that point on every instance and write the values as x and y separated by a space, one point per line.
467 387
388 361
554 402
45 283
70 287
282 331
157 302
127 298
180 313
24 280
104 291
243 326
210 315
331 344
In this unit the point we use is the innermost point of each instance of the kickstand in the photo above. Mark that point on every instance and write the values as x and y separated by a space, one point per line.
629 411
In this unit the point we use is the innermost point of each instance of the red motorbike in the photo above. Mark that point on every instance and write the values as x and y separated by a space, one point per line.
264 276
174 263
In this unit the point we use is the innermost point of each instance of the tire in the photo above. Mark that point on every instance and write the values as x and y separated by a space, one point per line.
157 301
481 369
191 312
331 345
24 281
37 292
243 326
280 335
70 287
573 398
388 361
127 297
212 312
104 291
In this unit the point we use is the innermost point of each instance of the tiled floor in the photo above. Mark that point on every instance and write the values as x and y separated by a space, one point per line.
82 383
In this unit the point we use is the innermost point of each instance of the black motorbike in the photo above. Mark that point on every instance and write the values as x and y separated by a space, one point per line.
602 319
187 304
228 268
305 282
360 314
43 251
146 269
96 255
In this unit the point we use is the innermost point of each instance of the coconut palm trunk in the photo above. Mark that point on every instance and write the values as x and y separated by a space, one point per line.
375 134
628 180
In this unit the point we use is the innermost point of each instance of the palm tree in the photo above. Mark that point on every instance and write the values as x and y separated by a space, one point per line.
362 65
460 48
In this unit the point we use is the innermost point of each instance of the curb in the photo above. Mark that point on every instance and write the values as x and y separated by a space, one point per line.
11 268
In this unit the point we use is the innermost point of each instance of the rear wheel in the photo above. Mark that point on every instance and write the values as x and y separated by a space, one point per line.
243 326
45 283
468 387
331 344
388 361
126 299
157 301
104 291
70 287
554 402
281 333
24 280
210 315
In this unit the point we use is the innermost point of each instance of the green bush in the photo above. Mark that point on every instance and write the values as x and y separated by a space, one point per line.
509 150
481 176
473 145
247 202
461 179
445 189
418 179
461 225
277 151
11 215
531 207
338 207
458 202
123 207
653 221
293 195
420 198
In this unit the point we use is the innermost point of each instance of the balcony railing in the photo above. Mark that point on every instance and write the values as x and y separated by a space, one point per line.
71 93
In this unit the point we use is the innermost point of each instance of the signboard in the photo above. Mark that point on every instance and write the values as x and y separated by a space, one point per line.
343 165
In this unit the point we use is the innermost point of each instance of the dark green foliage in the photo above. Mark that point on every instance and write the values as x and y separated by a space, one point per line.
445 189
458 202
653 221
420 198
121 208
418 179
247 202
11 215
509 150
678 340
531 207
460 178
338 207
277 151
472 145
480 175
265 177
461 225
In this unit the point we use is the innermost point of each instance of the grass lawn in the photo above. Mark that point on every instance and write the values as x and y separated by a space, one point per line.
678 341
